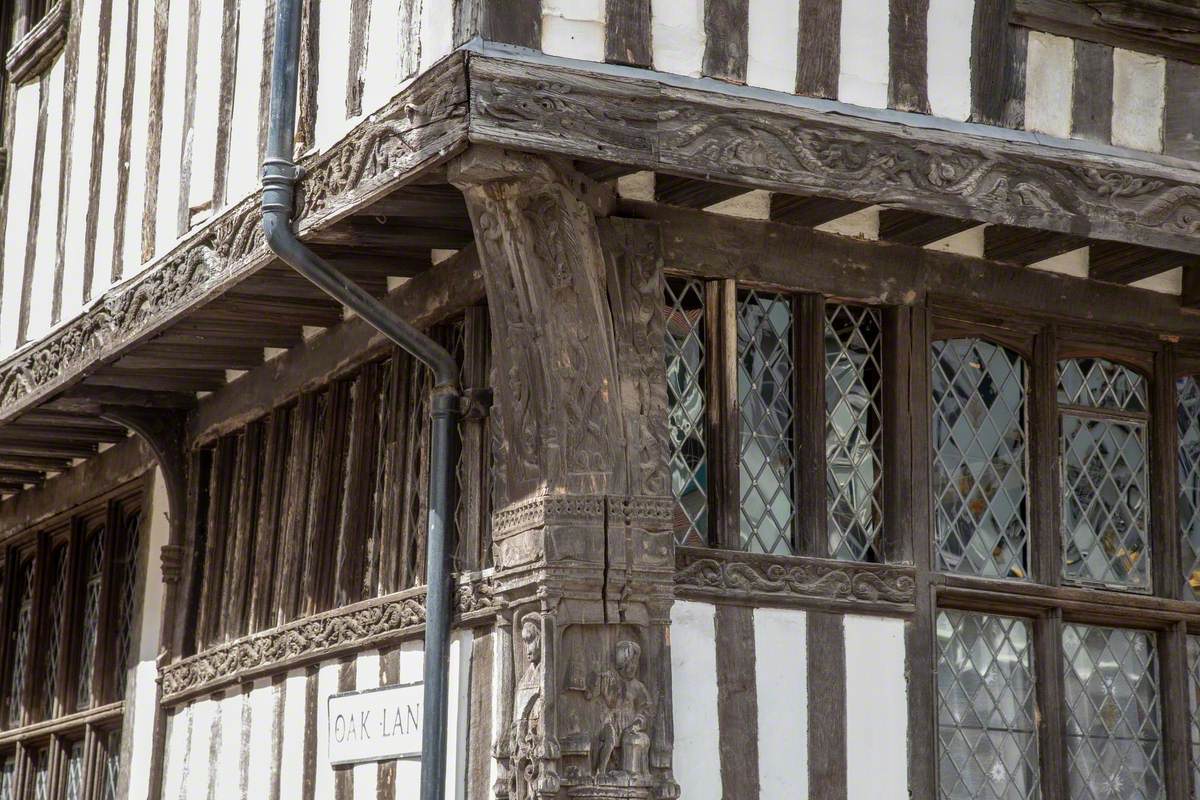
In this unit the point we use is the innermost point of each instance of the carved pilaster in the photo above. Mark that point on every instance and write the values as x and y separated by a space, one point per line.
583 548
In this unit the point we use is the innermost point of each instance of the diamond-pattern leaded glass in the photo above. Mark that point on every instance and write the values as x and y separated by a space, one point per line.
979 461
20 642
1193 659
987 727
8 774
1114 735
853 431
74 788
112 766
94 555
688 455
1104 502
1188 419
1097 383
58 577
127 574
766 463
41 775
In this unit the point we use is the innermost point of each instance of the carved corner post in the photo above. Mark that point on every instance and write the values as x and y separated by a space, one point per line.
583 544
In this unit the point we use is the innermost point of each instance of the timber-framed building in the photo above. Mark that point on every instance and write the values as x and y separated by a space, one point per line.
830 396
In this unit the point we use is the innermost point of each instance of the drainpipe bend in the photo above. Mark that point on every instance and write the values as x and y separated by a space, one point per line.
279 178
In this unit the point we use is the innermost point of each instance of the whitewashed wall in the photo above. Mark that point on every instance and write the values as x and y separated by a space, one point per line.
874 697
254 741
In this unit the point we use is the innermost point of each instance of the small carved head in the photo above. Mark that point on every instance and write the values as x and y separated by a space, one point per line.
531 635
627 657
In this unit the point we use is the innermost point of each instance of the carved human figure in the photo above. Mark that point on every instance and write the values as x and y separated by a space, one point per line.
629 711
526 732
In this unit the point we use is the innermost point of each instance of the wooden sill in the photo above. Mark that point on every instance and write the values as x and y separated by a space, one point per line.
37 48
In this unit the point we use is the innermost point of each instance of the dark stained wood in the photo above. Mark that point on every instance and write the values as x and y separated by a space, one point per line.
243 532
899 412
808 348
389 675
989 60
1176 722
516 22
810 211
360 15
627 33
124 143
264 80
1044 514
737 700
35 207
270 514
306 110
1181 110
354 525
1126 263
311 733
818 48
475 460
1014 77
691 193
420 201
1091 101
724 496
103 37
908 68
1166 569
325 496
70 76
220 493
158 68
1164 28
826 648
291 552
229 43
391 233
726 29
918 229
1051 716
1026 246
479 762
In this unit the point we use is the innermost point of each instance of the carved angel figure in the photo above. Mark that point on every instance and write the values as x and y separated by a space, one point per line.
525 734
630 709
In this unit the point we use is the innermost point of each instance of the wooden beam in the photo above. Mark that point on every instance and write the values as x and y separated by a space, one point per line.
810 211
1026 246
916 228
419 201
1126 263
85 398
34 462
692 193
389 234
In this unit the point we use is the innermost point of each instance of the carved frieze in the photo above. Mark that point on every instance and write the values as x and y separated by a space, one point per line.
346 629
773 580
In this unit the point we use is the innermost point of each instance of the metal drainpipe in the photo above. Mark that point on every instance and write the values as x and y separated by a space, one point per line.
279 180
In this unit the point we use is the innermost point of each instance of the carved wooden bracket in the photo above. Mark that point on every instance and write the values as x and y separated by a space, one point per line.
164 431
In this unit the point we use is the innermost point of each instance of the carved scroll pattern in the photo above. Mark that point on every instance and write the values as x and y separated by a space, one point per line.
413 128
346 629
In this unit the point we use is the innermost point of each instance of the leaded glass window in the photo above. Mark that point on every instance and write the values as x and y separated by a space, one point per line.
8 775
126 574
1104 473
112 766
1114 733
1188 421
41 774
765 397
987 722
688 455
20 641
1193 660
979 471
93 572
54 623
74 786
853 431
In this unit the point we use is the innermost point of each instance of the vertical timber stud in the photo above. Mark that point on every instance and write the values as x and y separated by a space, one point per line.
908 44
583 541
1165 545
808 335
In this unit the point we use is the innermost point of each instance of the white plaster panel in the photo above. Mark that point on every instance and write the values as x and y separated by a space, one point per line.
1074 263
458 713
1169 282
382 66
42 294
1049 80
20 191
781 675
1139 81
178 732
437 31
139 131
864 53
751 205
170 156
295 695
573 29
970 242
78 188
102 264
333 66
244 167
264 739
327 684
199 766
876 709
949 58
677 35
774 30
366 676
227 778
862 224
694 693
412 666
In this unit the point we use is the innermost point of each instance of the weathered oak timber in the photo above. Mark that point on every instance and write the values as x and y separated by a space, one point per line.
908 45
1091 96
917 229
627 32
726 49
1165 28
818 48
692 193
810 211
736 139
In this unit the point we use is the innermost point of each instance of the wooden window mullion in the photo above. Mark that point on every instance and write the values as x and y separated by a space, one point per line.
270 511
7 629
247 483
476 444
103 654
1164 540
1048 685
37 621
1173 682
357 487
900 411
724 416
187 608
210 624
295 510
1045 491
67 671
808 425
